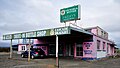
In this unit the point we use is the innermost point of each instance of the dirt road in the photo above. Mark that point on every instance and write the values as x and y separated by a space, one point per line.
18 62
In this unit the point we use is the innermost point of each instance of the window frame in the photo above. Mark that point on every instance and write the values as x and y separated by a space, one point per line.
98 44
23 48
103 46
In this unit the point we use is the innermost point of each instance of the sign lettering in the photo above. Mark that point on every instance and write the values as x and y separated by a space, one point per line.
31 34
17 36
61 31
41 33
88 51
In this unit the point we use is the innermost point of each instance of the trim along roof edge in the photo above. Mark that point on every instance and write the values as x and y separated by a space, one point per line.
80 30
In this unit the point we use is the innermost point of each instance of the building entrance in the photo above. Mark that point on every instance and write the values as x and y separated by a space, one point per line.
69 50
79 50
52 49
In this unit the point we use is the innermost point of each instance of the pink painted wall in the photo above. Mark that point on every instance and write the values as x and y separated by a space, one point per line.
44 48
108 53
20 47
75 50
38 41
113 51
110 50
107 43
94 31
88 50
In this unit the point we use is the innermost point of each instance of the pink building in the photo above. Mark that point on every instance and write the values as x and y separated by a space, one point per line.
101 45
90 43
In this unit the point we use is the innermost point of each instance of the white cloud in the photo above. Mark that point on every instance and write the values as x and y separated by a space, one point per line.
27 15
38 12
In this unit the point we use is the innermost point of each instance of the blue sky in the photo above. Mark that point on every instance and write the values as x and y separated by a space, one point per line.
28 15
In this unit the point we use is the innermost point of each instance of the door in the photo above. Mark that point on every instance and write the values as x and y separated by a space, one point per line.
79 50
71 50
52 49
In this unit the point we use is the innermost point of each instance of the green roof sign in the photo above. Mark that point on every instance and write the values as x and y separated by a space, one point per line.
38 33
70 13
7 37
17 36
41 33
30 34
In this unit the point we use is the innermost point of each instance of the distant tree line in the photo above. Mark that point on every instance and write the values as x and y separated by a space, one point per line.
4 49
119 51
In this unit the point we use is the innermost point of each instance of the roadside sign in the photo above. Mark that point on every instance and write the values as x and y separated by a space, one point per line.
70 13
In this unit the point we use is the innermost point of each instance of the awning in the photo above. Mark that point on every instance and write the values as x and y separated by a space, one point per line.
45 32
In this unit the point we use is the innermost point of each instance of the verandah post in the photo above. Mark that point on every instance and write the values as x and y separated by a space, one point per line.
29 51
11 49
57 60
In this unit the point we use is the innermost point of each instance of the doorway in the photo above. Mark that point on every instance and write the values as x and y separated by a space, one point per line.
79 50
69 50
52 49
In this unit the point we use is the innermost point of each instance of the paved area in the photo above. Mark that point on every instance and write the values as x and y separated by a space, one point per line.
18 62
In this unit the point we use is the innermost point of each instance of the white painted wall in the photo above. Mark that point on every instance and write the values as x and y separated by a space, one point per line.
101 54
20 48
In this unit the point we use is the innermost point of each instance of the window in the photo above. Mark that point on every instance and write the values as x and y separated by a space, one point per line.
98 44
103 45
102 33
107 48
105 36
23 48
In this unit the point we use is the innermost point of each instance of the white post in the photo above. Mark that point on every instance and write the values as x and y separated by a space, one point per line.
29 51
18 41
11 49
57 61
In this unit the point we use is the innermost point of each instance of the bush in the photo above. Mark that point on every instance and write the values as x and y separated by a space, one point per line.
117 56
